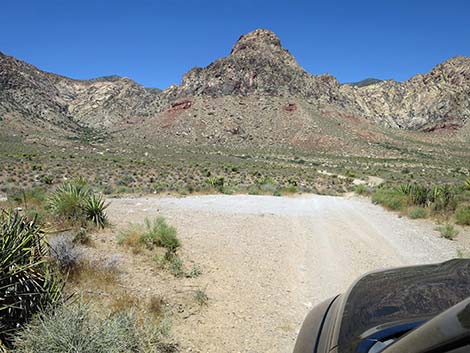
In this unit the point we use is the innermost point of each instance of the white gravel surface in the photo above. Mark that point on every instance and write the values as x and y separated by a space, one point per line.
267 260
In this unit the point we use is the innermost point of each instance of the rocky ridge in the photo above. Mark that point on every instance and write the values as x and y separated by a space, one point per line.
29 96
257 66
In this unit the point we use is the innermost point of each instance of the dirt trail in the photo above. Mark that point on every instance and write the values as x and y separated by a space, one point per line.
267 260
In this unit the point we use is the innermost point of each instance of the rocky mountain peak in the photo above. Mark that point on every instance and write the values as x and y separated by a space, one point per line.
259 39
257 64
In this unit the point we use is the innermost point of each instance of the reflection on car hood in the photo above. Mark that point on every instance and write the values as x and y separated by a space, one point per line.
405 294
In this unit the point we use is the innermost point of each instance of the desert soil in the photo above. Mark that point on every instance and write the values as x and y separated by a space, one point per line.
266 260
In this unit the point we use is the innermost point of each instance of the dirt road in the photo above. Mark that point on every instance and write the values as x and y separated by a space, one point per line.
267 260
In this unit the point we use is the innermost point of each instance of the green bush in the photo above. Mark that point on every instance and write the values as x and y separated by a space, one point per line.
75 203
467 184
462 216
448 231
26 198
389 198
361 189
216 183
417 212
438 197
76 329
28 283
159 233
156 232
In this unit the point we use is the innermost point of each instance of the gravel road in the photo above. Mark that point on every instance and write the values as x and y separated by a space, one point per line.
267 260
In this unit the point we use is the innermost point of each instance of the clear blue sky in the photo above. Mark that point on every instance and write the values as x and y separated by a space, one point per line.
155 42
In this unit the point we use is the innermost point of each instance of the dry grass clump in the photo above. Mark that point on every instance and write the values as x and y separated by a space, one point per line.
156 305
123 301
93 276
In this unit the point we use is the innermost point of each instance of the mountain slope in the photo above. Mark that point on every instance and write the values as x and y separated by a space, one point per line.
439 99
258 94
258 64
31 98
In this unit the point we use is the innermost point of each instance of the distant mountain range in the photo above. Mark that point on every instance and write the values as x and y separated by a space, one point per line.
258 94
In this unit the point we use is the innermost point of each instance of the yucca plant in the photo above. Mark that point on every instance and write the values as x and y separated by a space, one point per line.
442 197
75 203
405 189
467 184
420 195
94 207
66 203
28 283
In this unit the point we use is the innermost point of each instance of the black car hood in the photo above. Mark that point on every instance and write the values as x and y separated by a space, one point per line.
407 294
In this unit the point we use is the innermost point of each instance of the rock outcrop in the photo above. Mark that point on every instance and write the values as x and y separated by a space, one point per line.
46 100
257 66
439 99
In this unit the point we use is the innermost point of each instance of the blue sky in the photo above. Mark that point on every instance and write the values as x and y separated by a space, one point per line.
155 42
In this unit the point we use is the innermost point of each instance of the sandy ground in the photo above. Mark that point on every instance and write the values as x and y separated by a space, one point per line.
267 260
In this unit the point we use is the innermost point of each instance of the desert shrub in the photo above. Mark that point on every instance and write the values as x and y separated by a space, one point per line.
64 252
417 212
168 238
26 198
462 215
47 179
420 195
361 189
27 282
254 190
75 203
201 297
176 266
216 182
94 275
76 329
442 197
156 305
130 236
467 184
437 197
33 201
194 272
159 233
156 232
290 189
448 231
390 198
82 237
125 180
267 185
